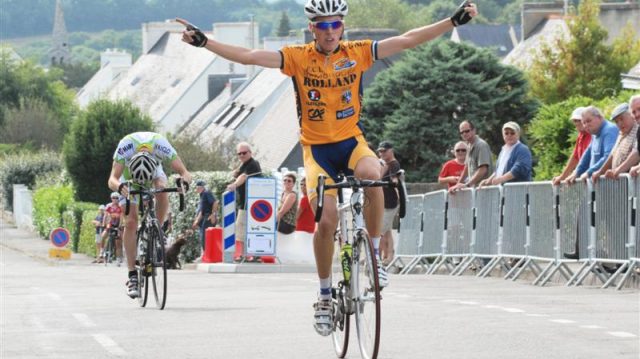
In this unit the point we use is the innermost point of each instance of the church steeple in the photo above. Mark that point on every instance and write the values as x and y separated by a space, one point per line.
60 52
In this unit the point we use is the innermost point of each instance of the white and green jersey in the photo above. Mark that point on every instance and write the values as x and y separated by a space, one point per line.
154 143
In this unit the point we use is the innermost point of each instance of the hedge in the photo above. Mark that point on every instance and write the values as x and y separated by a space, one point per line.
24 168
73 218
86 234
49 204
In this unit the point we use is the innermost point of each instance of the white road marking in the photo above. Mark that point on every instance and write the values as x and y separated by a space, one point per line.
38 324
468 302
109 345
622 334
84 320
536 315
562 321
491 306
591 326
513 310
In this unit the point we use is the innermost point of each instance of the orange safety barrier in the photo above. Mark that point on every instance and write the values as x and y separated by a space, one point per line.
213 247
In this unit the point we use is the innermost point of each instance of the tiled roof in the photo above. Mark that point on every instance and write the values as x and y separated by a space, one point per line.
523 54
495 37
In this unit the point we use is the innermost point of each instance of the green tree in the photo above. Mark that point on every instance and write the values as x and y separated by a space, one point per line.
89 146
284 27
583 64
33 125
392 14
76 75
24 80
419 102
215 155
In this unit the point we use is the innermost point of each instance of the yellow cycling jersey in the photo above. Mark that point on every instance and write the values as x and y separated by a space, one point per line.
328 88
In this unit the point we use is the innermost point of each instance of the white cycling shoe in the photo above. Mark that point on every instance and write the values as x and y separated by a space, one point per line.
323 317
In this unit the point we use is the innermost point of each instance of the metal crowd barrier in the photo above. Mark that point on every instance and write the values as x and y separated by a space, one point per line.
517 226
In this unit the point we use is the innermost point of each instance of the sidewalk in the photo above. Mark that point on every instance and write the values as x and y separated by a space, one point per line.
30 244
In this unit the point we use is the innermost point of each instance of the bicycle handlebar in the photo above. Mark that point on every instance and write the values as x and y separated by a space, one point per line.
181 188
354 183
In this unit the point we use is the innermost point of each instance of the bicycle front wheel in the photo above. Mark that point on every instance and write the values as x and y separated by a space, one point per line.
341 300
142 258
366 296
159 268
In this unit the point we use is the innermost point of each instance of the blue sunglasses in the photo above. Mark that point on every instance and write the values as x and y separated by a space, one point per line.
326 25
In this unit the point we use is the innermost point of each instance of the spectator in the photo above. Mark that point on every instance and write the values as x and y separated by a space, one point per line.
625 152
582 143
514 160
604 135
288 206
478 165
305 220
634 107
97 222
248 167
390 167
452 169
207 213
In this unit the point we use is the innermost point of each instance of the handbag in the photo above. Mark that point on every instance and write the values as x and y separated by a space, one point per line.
285 228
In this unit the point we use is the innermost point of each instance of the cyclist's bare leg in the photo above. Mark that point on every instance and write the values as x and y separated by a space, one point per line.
323 238
162 200
129 235
369 168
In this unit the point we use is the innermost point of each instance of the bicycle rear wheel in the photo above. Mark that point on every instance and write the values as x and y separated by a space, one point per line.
109 252
159 269
366 296
141 268
341 317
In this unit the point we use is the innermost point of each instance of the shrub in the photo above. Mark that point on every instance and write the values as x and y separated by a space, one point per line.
73 219
49 204
86 234
216 182
24 168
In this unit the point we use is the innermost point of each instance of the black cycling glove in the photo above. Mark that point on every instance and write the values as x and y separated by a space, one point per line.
199 39
461 17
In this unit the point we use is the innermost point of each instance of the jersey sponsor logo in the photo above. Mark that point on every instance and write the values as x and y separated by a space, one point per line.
332 82
347 112
314 95
343 64
144 146
124 149
164 149
316 114
346 97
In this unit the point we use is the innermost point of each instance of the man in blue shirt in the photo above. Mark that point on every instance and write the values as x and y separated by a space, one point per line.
604 135
207 214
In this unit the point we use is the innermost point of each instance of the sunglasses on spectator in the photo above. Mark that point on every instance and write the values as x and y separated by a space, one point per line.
509 133
465 131
242 153
326 25
461 150
287 180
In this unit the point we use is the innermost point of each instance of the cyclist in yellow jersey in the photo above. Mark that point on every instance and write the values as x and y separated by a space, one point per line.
327 79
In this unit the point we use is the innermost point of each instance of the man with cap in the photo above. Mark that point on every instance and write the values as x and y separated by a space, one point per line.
582 143
207 213
390 167
603 138
625 152
514 160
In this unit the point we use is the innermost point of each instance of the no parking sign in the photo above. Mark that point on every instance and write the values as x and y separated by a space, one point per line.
59 237
261 216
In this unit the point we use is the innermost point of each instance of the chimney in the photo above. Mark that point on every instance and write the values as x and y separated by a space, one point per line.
153 31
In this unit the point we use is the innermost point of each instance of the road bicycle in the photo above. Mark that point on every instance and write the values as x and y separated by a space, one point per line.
151 264
110 248
357 292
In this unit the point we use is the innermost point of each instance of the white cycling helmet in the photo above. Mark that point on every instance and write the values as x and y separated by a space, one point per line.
317 8
115 195
142 167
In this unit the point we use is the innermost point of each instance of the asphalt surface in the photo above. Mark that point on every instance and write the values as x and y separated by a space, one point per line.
75 309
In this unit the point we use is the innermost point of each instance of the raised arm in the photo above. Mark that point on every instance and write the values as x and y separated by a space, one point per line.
412 38
265 58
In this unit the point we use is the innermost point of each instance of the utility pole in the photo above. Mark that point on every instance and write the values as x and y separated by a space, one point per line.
251 69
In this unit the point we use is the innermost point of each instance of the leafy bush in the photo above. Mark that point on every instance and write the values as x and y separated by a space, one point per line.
49 203
88 148
24 168
553 136
73 219
216 182
86 234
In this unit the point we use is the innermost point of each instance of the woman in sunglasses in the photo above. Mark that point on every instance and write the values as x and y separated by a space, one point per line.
327 75
453 169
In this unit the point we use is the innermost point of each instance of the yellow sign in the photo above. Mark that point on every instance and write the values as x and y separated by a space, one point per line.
61 253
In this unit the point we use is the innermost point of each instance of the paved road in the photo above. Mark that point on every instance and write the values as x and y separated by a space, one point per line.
78 310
